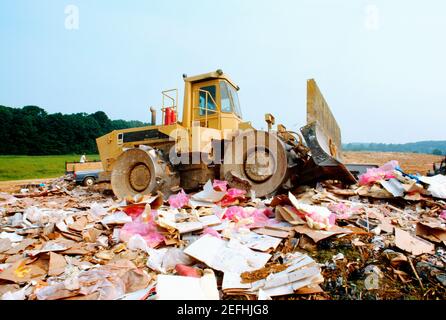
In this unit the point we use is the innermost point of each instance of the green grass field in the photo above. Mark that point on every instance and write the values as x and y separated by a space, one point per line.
35 167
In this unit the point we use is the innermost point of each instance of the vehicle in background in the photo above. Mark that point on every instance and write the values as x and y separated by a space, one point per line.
74 166
438 168
87 178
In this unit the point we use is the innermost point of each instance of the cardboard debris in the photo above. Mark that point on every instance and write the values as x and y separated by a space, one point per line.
187 288
405 241
57 264
116 218
301 272
317 217
226 256
257 241
13 237
432 230
81 244
282 234
21 272
318 235
142 294
50 246
437 185
5 245
393 186
287 214
21 246
374 191
79 224
188 226
209 194
166 259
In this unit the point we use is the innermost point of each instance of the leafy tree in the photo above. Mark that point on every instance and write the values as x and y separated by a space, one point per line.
32 131
427 147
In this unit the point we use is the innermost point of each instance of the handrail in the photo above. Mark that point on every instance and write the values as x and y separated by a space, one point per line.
166 95
217 113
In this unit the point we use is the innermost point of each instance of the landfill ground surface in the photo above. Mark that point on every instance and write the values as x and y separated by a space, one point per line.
410 162
382 239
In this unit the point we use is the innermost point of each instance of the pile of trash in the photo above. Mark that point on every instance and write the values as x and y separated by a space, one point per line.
381 239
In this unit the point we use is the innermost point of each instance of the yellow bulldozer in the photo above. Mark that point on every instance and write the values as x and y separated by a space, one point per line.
212 141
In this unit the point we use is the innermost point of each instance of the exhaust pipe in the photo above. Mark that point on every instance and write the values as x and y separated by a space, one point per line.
153 111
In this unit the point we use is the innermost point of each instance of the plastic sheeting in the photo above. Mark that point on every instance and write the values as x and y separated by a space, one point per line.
147 230
179 200
373 175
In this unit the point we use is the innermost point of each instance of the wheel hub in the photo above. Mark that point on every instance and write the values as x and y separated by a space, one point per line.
139 177
259 165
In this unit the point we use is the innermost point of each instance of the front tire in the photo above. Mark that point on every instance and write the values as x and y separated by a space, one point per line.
88 182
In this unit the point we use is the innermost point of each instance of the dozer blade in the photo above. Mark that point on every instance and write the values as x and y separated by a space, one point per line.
323 137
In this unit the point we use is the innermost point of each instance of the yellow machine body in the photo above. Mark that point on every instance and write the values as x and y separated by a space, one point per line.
211 115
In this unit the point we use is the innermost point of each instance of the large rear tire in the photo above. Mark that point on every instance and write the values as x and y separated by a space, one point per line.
258 157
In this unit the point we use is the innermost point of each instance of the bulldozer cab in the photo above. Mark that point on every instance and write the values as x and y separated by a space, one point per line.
212 101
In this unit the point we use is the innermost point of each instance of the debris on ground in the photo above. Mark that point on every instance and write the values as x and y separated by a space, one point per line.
383 238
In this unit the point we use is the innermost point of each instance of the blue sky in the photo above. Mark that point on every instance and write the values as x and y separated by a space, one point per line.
380 64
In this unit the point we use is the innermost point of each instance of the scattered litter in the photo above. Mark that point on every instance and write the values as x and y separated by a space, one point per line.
226 256
187 288
209 194
179 200
116 218
384 172
223 242
412 244
317 217
437 185
301 271
13 237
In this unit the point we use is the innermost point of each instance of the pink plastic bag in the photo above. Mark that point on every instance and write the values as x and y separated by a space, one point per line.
443 215
147 230
187 271
234 214
232 197
135 210
373 175
316 217
342 210
211 232
260 216
236 193
219 185
178 201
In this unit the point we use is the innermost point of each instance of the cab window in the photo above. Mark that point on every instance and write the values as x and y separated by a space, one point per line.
234 97
225 98
210 103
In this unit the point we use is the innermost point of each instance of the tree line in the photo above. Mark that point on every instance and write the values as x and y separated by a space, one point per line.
428 147
32 131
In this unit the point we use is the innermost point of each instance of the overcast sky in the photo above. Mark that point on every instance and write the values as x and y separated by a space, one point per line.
380 64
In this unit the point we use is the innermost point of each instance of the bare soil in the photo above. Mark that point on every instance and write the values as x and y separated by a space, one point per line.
409 162
14 186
